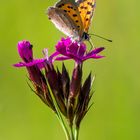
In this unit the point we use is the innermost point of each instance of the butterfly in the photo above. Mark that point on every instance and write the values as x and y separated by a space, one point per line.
73 18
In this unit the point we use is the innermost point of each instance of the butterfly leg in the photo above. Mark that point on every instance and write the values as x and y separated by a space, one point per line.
91 44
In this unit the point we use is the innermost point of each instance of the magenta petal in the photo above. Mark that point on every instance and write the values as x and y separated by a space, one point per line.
74 50
69 48
61 46
20 64
98 56
25 50
66 41
92 56
95 51
82 50
37 62
52 57
61 58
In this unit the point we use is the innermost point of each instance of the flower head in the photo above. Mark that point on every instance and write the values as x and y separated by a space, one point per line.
72 95
25 51
33 67
66 49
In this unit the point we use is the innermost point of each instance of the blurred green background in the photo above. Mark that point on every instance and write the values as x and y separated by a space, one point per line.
115 114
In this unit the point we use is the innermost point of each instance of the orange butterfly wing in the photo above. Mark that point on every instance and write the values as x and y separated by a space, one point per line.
86 9
72 10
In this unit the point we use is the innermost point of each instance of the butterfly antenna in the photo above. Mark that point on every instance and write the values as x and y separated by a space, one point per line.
109 40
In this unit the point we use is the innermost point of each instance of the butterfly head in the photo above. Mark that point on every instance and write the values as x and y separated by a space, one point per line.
85 36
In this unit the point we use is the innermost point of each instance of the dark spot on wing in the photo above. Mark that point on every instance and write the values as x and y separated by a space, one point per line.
82 7
85 8
65 11
76 21
89 3
87 19
69 6
88 12
78 26
74 15
59 6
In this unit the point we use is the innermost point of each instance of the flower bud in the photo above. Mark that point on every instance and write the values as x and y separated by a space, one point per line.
83 101
25 51
75 86
56 87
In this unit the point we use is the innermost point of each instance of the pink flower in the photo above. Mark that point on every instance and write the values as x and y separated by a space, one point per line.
26 54
66 49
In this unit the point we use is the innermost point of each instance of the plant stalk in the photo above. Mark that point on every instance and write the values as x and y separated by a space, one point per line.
59 116
76 133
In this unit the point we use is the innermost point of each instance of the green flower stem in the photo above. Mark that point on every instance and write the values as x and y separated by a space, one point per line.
76 133
64 127
71 130
59 116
